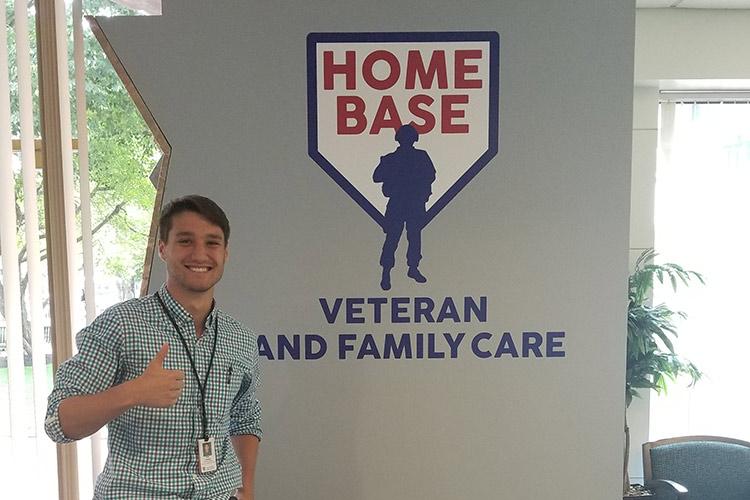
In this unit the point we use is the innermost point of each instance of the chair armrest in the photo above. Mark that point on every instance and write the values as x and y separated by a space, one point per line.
675 488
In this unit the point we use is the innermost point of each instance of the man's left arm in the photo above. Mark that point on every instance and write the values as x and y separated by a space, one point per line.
246 448
244 427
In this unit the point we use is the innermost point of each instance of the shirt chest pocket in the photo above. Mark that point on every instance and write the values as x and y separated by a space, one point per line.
232 380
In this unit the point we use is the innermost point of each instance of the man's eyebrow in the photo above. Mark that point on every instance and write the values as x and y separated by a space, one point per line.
210 236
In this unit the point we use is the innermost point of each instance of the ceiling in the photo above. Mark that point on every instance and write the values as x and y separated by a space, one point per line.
693 4
154 6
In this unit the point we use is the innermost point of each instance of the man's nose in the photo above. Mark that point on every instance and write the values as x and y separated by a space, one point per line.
200 250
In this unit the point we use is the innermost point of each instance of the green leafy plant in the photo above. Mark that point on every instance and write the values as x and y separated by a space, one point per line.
651 358
122 155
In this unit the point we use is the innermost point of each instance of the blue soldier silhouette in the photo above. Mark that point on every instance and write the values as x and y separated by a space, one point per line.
407 175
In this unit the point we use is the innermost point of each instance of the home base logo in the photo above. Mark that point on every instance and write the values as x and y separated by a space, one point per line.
402 122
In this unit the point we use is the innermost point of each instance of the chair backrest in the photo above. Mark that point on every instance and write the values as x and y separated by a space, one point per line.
710 467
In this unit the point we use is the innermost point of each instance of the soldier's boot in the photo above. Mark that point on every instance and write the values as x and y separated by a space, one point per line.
385 280
416 275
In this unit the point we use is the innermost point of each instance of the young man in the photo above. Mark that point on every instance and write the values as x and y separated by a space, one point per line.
173 377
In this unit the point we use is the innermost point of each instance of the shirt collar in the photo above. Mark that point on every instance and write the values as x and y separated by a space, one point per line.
179 313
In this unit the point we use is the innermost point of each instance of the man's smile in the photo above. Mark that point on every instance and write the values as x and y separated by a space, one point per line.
199 269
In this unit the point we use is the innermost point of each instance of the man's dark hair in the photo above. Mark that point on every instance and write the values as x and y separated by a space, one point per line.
205 207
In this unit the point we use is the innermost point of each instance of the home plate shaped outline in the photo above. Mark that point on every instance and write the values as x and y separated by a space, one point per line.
313 39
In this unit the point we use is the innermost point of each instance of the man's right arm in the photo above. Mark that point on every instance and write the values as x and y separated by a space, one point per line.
85 396
81 416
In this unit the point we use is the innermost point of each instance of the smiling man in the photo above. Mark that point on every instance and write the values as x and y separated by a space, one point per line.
173 377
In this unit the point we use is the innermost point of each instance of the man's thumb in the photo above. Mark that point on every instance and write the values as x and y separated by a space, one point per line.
160 357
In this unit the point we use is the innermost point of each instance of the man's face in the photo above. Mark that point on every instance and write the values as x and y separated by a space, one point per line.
195 252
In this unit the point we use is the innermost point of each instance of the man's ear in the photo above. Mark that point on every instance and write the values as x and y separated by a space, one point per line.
162 243
226 252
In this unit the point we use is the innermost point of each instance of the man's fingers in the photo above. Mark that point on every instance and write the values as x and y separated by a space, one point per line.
175 374
160 357
161 388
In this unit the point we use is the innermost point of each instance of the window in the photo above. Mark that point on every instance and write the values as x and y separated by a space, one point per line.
108 242
701 222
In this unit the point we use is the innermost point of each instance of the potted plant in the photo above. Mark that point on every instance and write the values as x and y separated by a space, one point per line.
651 358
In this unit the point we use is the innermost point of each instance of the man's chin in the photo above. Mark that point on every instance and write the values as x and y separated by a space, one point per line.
200 286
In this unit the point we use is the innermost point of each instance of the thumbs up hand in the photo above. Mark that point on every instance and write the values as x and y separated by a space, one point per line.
158 387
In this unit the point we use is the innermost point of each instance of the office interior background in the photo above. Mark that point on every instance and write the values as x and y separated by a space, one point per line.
688 175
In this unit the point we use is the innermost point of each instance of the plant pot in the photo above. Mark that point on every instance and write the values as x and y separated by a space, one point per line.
638 492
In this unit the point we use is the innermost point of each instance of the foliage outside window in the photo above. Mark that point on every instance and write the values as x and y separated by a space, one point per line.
122 155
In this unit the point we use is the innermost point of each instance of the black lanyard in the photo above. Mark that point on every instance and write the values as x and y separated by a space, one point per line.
202 388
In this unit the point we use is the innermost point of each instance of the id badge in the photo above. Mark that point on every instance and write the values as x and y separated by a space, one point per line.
206 455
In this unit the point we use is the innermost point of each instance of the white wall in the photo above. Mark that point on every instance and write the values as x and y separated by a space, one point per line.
691 44
679 49
541 232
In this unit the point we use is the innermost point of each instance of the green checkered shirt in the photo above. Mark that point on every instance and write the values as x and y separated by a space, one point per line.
153 451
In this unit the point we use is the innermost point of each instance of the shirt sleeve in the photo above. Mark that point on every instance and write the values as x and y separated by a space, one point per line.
245 414
93 369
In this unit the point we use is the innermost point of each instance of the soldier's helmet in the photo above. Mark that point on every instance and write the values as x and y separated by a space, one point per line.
407 134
